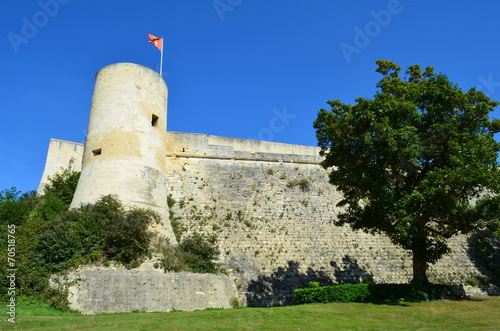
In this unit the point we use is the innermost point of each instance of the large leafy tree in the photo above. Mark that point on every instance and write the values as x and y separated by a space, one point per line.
417 162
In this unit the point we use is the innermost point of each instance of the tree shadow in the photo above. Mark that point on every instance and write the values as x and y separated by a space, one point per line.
350 272
277 289
484 250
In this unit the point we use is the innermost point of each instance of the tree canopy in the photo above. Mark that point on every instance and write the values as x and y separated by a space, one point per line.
417 162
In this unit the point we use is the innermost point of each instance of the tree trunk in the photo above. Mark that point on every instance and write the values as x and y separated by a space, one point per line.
419 268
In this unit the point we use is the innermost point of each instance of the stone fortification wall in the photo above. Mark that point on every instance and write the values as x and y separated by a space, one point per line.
273 217
272 209
270 205
59 156
115 291
195 145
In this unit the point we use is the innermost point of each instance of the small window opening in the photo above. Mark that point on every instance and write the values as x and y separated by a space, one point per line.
97 151
154 120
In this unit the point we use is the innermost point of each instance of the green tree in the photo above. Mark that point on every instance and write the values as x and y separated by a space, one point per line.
15 206
63 184
417 162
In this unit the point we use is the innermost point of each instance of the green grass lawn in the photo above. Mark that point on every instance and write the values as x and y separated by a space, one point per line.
477 314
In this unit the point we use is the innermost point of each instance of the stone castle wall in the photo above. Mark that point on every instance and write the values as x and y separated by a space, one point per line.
272 210
100 291
269 204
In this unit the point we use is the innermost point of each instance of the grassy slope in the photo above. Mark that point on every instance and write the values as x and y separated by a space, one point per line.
437 315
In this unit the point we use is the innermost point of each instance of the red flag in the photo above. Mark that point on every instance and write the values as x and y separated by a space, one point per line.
158 42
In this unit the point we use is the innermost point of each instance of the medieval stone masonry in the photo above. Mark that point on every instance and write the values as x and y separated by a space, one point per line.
269 204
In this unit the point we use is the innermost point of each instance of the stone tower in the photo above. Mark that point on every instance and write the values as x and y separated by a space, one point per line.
125 148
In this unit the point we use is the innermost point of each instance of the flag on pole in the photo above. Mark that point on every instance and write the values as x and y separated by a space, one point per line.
158 42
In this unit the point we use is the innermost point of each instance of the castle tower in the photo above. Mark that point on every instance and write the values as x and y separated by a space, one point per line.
125 148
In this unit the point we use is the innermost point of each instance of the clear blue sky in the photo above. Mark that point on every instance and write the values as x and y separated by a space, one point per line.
232 66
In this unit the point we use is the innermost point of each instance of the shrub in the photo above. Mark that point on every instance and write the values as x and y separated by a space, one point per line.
177 227
201 251
63 184
127 237
370 292
174 260
104 229
302 183
405 292
336 293
313 284
50 238
234 302
15 206
170 201
195 253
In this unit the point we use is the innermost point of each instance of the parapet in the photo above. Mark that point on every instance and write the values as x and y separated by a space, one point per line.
195 145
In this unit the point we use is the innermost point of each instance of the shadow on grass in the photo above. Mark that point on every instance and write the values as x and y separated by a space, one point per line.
397 303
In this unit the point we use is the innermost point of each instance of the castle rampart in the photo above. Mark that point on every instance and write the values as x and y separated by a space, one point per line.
269 204
216 147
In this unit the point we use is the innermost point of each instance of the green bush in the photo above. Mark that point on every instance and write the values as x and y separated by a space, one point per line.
32 214
103 229
195 253
50 238
406 292
127 237
15 206
336 293
370 292
51 241
302 183
201 252
71 238
63 184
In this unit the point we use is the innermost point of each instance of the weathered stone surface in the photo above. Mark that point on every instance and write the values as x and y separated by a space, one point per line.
114 291
276 235
59 156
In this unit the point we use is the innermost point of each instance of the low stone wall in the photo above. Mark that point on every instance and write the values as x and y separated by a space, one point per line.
113 291
481 291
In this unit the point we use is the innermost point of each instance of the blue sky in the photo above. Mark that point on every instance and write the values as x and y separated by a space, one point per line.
233 67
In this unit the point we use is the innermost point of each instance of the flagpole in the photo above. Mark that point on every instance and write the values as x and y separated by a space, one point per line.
161 58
